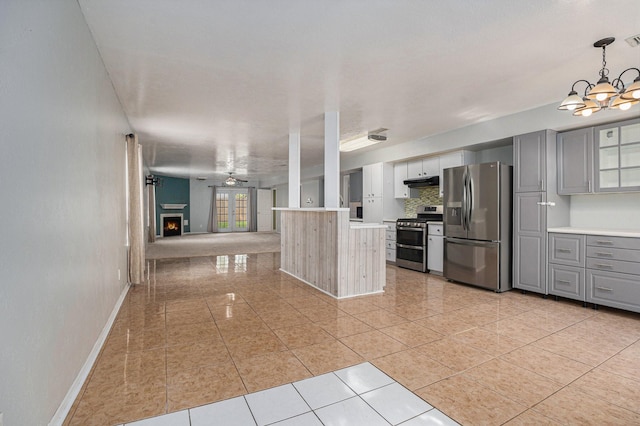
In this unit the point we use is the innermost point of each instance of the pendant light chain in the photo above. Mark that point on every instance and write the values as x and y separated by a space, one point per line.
604 71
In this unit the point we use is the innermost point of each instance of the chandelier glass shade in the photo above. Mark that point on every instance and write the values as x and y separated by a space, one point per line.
603 94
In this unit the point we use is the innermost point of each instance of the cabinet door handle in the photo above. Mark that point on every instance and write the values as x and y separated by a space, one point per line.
563 250
603 265
563 282
604 253
604 242
604 288
589 185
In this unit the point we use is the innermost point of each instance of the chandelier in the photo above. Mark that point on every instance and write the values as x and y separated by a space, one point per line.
603 94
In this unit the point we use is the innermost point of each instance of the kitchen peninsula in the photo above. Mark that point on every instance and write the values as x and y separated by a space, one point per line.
321 247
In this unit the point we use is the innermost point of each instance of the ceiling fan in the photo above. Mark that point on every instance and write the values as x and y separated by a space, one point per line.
234 181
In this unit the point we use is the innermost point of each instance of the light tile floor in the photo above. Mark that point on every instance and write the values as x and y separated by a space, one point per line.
210 329
356 395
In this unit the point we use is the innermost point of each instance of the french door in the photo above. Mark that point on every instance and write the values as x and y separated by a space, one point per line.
232 208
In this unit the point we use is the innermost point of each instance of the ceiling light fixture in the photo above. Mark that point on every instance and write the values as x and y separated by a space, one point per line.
233 181
361 141
603 94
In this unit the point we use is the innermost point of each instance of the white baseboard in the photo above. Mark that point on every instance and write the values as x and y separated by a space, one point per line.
74 390
329 294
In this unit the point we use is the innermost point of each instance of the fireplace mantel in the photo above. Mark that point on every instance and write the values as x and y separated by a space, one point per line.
173 206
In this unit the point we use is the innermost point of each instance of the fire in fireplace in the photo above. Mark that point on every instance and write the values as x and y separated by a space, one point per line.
171 225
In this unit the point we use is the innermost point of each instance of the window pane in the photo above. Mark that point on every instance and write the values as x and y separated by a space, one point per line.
630 134
241 210
609 179
630 177
222 209
630 155
608 137
609 158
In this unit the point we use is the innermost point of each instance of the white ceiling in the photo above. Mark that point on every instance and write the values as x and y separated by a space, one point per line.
212 86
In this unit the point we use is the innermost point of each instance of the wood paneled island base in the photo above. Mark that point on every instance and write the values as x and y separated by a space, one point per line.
323 249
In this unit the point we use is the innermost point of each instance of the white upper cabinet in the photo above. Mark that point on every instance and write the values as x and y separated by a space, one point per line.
423 167
372 180
431 166
400 190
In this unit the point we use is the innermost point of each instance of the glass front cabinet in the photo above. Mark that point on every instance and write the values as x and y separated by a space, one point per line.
617 157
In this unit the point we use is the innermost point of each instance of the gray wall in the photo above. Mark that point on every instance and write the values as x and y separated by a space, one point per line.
62 180
200 202
355 186
200 197
504 154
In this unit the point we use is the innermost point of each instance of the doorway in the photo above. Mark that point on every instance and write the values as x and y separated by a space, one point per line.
232 207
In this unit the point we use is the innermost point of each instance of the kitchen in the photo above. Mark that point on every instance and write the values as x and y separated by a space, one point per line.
583 210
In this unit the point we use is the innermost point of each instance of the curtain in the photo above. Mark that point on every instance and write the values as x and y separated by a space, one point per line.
252 201
152 213
213 213
136 220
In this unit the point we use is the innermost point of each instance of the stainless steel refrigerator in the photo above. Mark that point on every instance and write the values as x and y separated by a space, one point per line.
477 225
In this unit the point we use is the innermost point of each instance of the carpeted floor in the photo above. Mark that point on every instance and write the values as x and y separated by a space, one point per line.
195 245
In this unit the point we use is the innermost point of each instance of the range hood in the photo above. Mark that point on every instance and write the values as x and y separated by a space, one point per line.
423 182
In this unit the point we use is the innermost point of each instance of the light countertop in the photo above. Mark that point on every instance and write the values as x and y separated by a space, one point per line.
361 225
312 209
633 233
435 222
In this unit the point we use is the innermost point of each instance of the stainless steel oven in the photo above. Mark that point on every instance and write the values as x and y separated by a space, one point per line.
411 238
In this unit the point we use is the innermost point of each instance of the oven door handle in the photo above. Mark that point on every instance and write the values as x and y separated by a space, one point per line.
409 247
402 228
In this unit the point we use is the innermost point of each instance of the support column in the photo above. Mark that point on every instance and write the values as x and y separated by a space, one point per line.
294 170
332 159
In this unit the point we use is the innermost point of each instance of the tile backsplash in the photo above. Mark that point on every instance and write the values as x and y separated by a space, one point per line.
429 196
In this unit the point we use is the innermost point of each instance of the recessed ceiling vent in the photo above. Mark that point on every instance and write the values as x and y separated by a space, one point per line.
376 135
634 41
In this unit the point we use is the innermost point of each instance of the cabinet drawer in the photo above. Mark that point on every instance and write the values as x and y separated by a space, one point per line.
613 242
390 255
566 249
435 229
391 226
613 254
613 289
391 244
614 266
390 235
566 281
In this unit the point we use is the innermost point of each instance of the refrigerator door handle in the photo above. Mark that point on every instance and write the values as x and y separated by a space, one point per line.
474 243
464 201
469 201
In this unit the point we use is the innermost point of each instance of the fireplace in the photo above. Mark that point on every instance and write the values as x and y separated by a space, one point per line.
171 224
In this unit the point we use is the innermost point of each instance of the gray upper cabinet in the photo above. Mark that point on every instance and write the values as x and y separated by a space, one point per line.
617 157
529 172
575 161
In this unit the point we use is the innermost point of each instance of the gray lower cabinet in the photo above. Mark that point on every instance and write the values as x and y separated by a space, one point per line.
566 265
566 281
567 249
603 270
529 248
613 289
613 272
